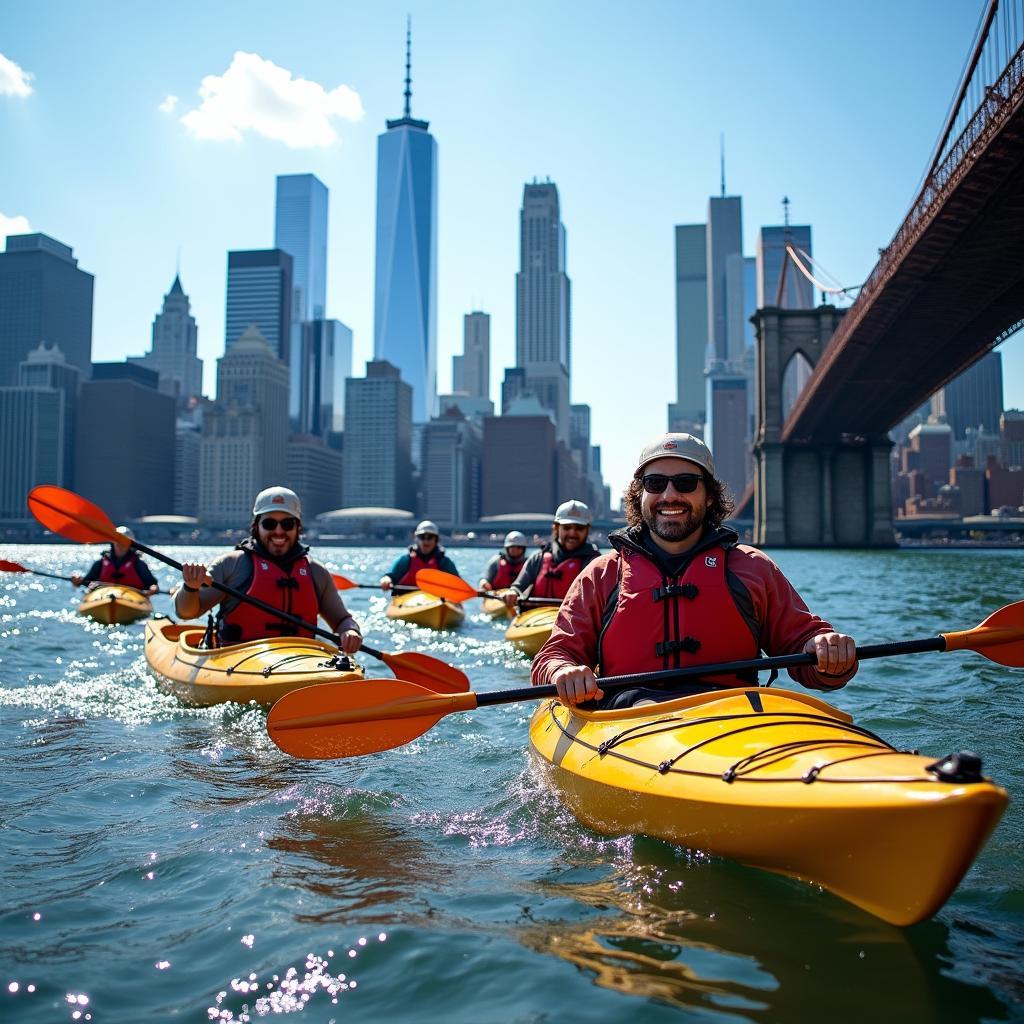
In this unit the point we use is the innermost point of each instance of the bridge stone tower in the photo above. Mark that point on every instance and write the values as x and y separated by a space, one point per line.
809 492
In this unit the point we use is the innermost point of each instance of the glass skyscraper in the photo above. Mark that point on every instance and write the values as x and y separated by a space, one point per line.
405 295
260 294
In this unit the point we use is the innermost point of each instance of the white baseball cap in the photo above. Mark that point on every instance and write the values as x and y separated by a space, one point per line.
126 531
573 511
428 528
277 499
678 446
515 539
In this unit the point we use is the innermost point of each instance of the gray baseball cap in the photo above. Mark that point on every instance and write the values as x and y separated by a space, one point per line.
678 446
427 529
277 499
573 511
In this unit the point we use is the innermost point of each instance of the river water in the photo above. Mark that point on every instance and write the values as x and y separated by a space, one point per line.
160 863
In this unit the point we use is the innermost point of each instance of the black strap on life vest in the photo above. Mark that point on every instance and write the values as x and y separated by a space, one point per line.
690 644
687 590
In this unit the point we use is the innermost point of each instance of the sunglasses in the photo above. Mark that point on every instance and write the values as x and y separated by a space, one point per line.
684 483
270 525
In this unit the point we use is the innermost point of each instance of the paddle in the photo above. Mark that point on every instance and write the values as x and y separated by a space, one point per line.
6 566
346 719
453 588
344 583
74 517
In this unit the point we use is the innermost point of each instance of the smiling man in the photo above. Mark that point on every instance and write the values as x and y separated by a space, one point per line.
678 591
272 566
550 571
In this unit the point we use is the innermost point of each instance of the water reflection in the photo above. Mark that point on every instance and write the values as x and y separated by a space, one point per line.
709 936
354 860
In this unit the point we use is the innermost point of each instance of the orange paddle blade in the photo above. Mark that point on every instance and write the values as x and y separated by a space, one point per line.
335 720
444 584
6 566
423 670
64 512
1000 638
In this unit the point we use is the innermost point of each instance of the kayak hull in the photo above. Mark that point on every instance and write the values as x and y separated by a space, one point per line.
495 608
793 788
422 609
262 671
530 629
115 605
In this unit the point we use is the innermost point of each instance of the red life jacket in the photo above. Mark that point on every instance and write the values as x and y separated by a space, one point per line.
126 574
554 580
291 589
507 572
417 562
659 622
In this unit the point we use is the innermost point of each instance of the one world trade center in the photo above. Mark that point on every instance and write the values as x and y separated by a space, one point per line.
405 299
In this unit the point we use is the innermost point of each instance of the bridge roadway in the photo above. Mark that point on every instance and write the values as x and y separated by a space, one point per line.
949 287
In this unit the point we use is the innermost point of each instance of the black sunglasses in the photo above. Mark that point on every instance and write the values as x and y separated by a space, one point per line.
684 483
269 524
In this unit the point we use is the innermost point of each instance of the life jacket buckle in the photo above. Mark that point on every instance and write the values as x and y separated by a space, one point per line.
687 590
689 644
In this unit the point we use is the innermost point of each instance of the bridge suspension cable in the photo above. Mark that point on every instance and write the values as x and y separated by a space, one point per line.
835 288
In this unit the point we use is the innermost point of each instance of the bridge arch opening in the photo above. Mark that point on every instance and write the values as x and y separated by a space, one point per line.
794 380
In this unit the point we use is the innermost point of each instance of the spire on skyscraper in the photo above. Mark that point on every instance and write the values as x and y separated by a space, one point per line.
721 156
408 67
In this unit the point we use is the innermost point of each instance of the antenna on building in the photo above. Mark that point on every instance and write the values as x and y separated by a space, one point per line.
721 157
780 292
408 65
785 213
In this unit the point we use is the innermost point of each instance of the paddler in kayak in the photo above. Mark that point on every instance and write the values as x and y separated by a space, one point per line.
424 553
502 570
679 590
272 566
119 565
550 571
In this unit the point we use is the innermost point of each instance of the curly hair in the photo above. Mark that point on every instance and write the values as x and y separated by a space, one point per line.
720 502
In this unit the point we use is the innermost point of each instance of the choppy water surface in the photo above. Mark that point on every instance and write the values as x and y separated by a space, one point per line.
163 863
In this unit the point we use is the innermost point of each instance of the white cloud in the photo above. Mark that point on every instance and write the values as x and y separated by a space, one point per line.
256 95
13 80
169 104
14 226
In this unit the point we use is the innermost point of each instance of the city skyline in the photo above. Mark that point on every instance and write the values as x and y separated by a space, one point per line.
632 140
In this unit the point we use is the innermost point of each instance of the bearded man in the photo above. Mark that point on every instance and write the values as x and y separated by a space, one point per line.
679 590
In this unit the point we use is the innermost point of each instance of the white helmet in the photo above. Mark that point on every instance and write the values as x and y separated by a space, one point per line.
515 539
277 499
427 528
126 531
573 511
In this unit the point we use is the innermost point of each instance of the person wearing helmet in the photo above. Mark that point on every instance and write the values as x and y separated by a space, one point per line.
504 567
679 590
424 553
550 571
119 564
271 566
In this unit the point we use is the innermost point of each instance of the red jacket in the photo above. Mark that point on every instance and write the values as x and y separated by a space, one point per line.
769 602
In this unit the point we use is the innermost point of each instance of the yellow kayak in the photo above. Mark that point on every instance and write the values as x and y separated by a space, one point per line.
530 629
112 604
261 670
495 608
422 609
780 781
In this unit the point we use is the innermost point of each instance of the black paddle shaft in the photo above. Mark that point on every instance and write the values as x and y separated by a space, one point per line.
614 683
224 588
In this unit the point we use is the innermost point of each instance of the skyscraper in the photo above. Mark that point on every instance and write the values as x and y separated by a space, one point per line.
173 353
725 279
377 465
975 398
260 294
471 372
328 348
47 368
44 297
687 413
300 229
542 302
797 291
405 292
245 432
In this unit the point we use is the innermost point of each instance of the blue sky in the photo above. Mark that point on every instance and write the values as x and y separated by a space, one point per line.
837 106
